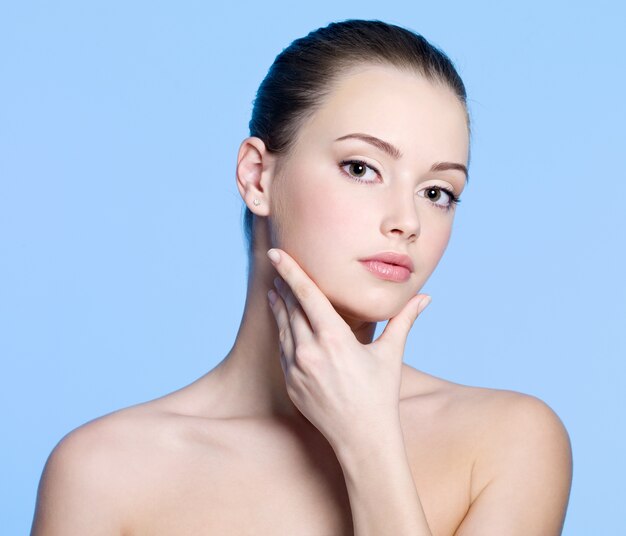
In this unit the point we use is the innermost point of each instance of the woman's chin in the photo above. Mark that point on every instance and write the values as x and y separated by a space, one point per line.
367 312
359 303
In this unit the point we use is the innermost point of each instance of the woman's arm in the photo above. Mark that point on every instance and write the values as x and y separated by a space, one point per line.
382 494
523 474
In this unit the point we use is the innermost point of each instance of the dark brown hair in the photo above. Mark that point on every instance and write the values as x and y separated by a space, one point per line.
305 72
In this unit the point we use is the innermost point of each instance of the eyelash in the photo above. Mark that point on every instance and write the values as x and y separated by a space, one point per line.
453 198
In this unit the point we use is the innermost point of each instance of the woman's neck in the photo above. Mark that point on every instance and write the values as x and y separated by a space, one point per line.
250 381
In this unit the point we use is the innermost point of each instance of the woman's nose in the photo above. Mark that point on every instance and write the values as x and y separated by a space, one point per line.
401 216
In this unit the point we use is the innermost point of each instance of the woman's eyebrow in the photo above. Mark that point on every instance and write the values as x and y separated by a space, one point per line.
396 154
391 150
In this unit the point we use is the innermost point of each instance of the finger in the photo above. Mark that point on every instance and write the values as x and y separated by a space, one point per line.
283 363
284 329
301 329
317 307
397 329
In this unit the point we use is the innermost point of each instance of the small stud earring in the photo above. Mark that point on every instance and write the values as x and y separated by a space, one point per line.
256 202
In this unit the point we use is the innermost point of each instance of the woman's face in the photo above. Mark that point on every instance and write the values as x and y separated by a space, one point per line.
327 220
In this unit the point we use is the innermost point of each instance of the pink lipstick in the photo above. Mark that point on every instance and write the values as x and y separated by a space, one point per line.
389 265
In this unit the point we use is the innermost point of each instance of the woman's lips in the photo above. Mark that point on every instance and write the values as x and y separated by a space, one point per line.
384 270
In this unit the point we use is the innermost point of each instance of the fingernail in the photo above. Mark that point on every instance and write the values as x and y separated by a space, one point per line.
423 304
278 283
272 296
273 255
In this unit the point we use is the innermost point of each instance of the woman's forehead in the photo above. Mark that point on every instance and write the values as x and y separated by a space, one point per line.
393 105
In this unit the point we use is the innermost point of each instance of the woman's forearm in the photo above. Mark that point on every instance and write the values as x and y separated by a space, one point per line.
383 497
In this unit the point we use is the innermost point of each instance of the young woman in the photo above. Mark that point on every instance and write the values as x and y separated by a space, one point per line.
357 156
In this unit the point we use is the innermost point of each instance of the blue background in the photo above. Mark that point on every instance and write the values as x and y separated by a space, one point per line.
122 264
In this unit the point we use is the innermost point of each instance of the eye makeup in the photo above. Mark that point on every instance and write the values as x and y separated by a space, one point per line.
447 207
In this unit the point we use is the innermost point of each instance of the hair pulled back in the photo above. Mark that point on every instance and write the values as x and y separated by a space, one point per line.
305 72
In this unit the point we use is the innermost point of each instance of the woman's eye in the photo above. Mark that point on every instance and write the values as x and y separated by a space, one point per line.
439 196
357 170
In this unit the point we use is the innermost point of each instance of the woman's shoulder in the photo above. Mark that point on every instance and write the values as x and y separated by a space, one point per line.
512 435
112 437
483 403
93 473
128 437
495 415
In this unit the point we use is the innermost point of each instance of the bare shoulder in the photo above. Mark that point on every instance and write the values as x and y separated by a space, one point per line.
94 472
522 459
493 415
520 430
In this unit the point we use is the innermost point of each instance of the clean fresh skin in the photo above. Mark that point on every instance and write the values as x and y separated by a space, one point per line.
308 426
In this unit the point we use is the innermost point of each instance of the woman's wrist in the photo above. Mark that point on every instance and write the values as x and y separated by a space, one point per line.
361 442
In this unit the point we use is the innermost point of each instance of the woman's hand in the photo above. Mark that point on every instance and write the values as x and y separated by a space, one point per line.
344 388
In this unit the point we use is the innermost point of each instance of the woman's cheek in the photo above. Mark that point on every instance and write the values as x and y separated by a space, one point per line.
435 243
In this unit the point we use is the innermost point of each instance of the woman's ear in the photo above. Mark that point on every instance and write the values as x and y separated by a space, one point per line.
255 168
